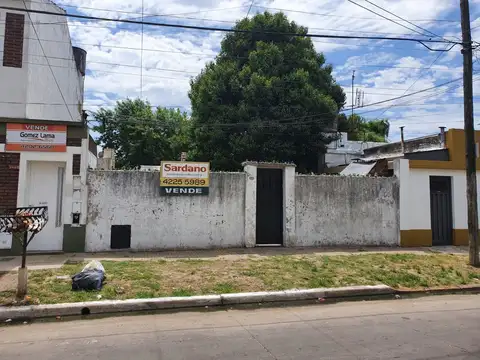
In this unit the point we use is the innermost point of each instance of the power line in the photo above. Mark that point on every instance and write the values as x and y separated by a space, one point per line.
410 102
406 104
206 55
265 124
329 14
362 113
188 79
110 72
219 21
48 62
138 13
348 17
320 121
421 75
386 18
233 57
399 17
250 8
85 104
232 30
168 70
399 67
414 93
141 57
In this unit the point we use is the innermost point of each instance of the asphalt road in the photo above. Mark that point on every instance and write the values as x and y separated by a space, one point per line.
433 328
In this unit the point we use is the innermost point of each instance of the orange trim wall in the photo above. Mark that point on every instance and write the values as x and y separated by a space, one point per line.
455 143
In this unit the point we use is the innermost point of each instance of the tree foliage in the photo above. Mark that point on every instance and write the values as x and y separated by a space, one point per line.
140 135
268 96
362 129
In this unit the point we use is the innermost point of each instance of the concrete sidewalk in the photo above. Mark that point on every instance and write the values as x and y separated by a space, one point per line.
55 261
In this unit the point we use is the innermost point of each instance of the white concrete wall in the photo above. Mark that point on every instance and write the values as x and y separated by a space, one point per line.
34 87
165 222
289 208
335 158
5 239
346 211
13 84
415 196
250 205
92 161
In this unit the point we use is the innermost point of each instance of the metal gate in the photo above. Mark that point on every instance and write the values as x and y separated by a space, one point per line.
441 210
269 207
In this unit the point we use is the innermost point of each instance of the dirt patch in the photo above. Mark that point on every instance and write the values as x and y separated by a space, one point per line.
8 281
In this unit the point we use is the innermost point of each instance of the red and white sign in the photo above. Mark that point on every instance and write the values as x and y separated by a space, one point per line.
34 137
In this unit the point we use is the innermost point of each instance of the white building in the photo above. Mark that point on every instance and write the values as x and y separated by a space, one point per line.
342 152
433 197
45 148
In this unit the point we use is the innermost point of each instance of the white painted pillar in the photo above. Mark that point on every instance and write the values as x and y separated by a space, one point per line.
289 219
250 205
402 172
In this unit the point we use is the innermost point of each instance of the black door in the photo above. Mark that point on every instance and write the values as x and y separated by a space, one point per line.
269 207
441 210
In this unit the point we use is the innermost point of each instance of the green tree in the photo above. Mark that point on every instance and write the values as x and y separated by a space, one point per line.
268 96
362 129
140 135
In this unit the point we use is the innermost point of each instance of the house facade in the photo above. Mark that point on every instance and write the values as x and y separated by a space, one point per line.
45 148
433 194
432 181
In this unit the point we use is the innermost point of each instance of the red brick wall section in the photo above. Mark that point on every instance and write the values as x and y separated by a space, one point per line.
13 42
9 168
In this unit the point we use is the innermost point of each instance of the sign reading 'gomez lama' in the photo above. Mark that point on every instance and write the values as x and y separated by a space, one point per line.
184 178
32 137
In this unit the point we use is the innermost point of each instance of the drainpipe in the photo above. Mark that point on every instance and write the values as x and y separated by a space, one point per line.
442 136
402 140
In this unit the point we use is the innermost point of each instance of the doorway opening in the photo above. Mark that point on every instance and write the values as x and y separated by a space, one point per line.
269 231
45 187
441 210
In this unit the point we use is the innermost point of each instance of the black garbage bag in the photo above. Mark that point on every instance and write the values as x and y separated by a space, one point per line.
90 278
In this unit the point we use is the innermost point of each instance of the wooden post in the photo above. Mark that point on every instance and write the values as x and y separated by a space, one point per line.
471 170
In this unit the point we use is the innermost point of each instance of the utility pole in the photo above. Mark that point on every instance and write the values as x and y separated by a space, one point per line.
471 173
353 82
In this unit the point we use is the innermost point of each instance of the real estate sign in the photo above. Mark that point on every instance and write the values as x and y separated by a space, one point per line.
184 178
35 137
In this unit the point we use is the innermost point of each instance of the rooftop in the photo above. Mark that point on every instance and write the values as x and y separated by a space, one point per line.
395 150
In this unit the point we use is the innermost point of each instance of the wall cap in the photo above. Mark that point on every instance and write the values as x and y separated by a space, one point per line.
268 165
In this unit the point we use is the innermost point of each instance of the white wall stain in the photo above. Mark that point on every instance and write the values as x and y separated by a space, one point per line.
157 221
318 211
346 211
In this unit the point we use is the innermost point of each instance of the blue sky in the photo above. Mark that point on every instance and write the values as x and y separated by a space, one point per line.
383 69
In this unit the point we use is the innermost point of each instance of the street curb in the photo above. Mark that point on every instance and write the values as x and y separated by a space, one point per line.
22 313
460 289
